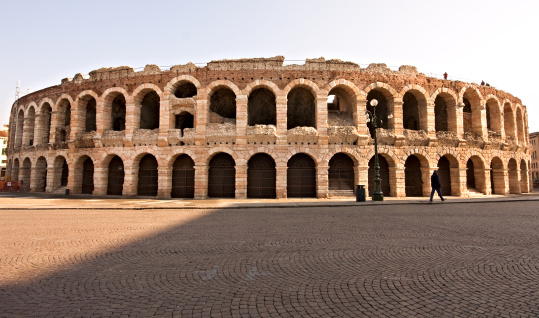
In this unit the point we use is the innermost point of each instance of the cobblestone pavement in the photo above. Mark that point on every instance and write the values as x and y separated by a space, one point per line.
424 260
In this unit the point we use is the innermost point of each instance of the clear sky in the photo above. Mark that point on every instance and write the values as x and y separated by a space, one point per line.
42 42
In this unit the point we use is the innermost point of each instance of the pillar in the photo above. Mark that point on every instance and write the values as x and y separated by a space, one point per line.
322 182
201 181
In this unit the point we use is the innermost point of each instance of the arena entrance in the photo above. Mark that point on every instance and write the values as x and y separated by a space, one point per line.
301 177
41 175
88 176
147 176
514 185
183 178
341 175
261 177
412 177
497 180
384 175
444 174
116 176
222 177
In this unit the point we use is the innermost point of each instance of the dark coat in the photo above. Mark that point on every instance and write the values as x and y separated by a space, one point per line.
435 181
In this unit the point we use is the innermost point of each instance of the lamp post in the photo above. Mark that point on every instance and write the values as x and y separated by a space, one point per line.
376 122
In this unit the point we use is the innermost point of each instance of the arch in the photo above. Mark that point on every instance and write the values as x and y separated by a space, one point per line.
15 170
301 82
494 114
115 175
301 176
471 117
150 106
384 171
413 177
61 172
497 179
520 126
148 177
444 173
44 124
445 112
222 176
475 174
509 121
385 95
300 107
41 175
87 176
87 109
25 173
341 174
524 178
261 107
213 86
514 184
184 120
262 84
29 126
414 110
342 104
63 119
222 105
261 177
174 83
183 177
114 108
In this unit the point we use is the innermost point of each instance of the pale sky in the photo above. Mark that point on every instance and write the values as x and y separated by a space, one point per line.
496 41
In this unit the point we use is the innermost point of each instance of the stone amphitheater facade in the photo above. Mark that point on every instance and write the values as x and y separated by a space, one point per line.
260 128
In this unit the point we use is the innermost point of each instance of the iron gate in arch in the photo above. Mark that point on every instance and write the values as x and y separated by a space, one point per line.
261 177
116 176
341 173
183 178
88 176
222 177
147 176
301 177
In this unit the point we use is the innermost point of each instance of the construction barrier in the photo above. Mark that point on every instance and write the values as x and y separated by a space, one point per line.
6 186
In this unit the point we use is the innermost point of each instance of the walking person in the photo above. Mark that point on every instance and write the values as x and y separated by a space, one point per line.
435 185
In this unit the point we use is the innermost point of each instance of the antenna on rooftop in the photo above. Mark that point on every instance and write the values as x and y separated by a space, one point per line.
17 92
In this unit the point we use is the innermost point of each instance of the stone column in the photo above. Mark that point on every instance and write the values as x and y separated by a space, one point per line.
201 116
459 124
132 120
396 122
34 178
73 186
456 188
164 122
322 182
281 173
54 124
479 124
430 122
322 119
281 120
77 124
165 181
51 178
463 186
488 185
130 180
201 181
100 180
399 188
241 181
241 121
103 117
362 177
361 117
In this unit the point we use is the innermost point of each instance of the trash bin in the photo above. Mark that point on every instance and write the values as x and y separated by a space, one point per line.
67 192
360 193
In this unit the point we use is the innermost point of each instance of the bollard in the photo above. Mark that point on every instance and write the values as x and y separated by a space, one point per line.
360 193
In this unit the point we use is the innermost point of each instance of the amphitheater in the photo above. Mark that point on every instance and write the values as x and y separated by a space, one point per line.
263 128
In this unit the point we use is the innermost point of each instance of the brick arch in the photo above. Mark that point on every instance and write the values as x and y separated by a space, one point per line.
215 151
59 99
386 89
421 154
262 84
175 82
142 89
422 98
315 156
471 154
109 94
107 157
140 154
345 150
347 86
258 150
86 93
444 90
388 154
31 104
415 87
169 160
301 82
496 117
452 155
46 100
210 88
467 87
86 154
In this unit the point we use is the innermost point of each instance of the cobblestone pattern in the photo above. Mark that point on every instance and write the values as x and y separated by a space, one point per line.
459 260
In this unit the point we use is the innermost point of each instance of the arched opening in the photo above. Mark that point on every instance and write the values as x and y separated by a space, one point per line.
384 176
45 124
90 121
410 112
65 174
26 172
301 177
223 106
440 114
118 110
412 177
494 122
261 107
472 121
524 177
222 176
470 175
116 176
261 177
514 186
183 177
19 129
444 174
341 107
185 90
184 120
497 180
341 175
147 176
88 176
381 110
301 108
41 175
149 111
63 121
467 115
520 127
29 124
15 170
509 121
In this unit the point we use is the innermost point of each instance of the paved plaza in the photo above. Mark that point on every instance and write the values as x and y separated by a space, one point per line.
452 259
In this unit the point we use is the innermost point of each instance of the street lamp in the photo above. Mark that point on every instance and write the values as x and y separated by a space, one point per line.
376 122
